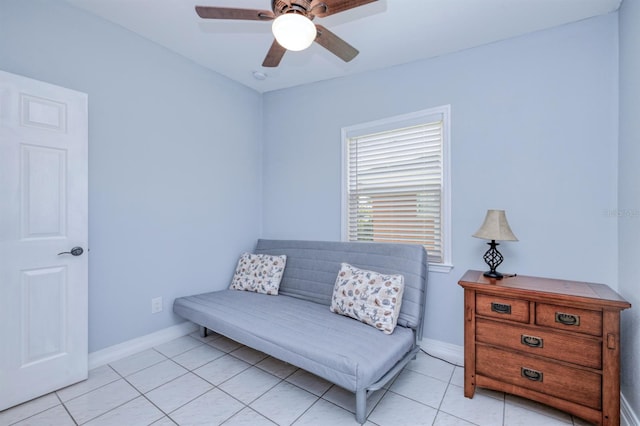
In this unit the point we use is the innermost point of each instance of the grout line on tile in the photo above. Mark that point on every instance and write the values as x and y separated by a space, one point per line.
226 380
200 343
268 390
35 413
309 408
68 413
188 402
164 414
108 411
443 395
416 401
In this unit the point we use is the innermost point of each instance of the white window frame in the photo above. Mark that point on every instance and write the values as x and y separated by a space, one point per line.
396 122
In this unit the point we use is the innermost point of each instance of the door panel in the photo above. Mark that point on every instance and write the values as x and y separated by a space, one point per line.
43 192
43 212
43 313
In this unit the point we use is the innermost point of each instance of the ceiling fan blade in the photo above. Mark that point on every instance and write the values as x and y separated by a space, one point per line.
335 44
274 55
211 12
330 7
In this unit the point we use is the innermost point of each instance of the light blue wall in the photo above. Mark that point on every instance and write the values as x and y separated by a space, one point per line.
534 131
629 196
174 163
176 154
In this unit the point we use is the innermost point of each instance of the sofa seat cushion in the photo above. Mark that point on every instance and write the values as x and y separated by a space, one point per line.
308 335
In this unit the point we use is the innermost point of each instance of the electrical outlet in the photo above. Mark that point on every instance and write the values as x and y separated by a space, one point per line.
156 305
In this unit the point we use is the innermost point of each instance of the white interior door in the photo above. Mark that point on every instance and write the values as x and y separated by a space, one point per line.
43 212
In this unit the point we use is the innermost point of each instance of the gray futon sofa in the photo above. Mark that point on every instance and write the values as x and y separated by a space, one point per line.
297 327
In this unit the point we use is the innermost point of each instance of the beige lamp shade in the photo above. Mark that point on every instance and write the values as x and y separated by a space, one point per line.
495 227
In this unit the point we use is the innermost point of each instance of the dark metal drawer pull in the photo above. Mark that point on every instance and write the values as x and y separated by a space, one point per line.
533 375
531 341
567 319
501 308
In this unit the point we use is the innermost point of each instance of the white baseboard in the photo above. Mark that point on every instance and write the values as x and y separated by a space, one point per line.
446 351
627 416
130 347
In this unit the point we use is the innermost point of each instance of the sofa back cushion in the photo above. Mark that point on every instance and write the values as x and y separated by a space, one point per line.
312 268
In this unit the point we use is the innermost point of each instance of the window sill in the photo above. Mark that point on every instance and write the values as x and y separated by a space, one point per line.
440 267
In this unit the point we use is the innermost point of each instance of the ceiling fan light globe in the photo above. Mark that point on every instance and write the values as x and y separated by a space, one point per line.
294 31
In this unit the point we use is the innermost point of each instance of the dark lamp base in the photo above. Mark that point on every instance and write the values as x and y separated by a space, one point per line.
493 259
493 274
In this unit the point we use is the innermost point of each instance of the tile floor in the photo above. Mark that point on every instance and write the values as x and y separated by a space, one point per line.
216 381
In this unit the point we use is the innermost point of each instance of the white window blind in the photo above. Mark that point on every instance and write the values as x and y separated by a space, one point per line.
394 186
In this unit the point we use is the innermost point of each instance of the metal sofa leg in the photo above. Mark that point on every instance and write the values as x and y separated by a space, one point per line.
361 406
203 331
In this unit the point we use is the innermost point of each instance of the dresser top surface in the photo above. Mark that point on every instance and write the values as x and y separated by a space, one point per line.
528 286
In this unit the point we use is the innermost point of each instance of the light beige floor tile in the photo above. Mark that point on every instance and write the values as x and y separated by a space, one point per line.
482 409
396 410
165 421
309 382
222 369
138 412
211 335
444 419
99 401
97 377
178 346
248 417
347 400
156 375
432 367
326 413
248 355
137 362
249 385
178 392
198 356
458 377
488 392
276 367
419 387
517 415
537 407
56 416
284 403
210 409
28 409
225 344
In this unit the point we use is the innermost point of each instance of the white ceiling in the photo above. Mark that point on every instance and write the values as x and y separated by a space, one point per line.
386 32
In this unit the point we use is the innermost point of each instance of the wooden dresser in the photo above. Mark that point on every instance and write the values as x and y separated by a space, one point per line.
553 341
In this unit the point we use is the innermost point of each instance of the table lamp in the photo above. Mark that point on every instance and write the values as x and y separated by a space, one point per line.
494 228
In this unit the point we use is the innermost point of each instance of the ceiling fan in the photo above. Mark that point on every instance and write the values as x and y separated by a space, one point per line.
292 26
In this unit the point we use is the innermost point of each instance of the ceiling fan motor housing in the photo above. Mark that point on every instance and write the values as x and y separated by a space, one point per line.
302 7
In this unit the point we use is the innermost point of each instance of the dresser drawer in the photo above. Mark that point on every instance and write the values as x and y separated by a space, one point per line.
570 319
576 349
568 383
502 307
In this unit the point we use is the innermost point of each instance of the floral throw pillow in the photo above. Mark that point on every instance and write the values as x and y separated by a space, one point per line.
368 296
259 272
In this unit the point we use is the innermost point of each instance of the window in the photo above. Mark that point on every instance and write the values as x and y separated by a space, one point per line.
396 183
